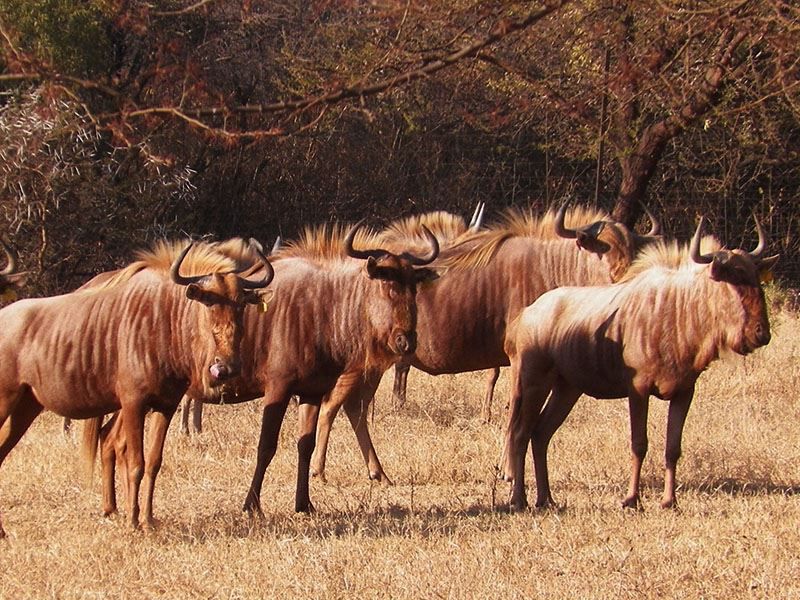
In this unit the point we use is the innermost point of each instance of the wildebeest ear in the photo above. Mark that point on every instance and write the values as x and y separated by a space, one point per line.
765 266
424 276
372 267
257 297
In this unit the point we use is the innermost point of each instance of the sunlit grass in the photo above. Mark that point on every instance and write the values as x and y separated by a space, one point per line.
443 529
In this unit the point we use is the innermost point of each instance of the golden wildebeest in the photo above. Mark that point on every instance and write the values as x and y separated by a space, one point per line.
651 334
132 343
10 279
491 276
335 309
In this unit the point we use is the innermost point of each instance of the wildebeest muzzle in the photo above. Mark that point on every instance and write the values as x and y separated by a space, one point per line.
405 342
222 370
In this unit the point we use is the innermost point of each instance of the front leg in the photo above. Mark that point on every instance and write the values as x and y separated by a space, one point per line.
160 421
676 418
271 421
308 415
132 416
638 406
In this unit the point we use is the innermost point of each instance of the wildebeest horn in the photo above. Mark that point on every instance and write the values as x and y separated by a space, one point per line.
269 272
694 247
11 267
477 217
430 257
363 254
561 230
655 226
762 239
174 271
277 245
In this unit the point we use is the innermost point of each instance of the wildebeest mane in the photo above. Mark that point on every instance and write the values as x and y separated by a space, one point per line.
668 254
477 249
203 258
444 225
326 242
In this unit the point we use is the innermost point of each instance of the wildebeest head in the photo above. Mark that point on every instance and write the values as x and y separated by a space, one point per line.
225 295
612 240
392 311
10 279
744 271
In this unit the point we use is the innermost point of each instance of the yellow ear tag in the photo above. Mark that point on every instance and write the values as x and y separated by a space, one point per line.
9 295
265 298
766 276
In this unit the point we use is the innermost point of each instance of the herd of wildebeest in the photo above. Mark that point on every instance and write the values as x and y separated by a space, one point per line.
575 302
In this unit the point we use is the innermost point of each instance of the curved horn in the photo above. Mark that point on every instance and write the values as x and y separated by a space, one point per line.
655 226
430 257
762 240
694 247
11 267
561 230
269 272
174 271
277 245
363 254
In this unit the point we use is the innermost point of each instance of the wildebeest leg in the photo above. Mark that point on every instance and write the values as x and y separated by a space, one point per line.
308 414
561 402
638 406
356 405
109 441
132 416
194 408
676 418
67 425
271 421
197 416
160 421
25 410
400 383
185 408
528 394
331 403
491 380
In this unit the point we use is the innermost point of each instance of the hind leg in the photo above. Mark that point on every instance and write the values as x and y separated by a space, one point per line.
112 449
529 392
492 375
25 410
558 407
357 407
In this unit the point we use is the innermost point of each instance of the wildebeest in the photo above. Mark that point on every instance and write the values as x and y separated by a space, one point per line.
10 278
335 309
191 408
491 276
651 334
132 343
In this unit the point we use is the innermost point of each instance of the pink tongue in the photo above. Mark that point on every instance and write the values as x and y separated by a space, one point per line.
214 370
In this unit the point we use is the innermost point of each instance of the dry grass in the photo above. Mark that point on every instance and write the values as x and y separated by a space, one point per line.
442 530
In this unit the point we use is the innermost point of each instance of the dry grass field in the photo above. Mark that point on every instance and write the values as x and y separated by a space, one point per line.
443 530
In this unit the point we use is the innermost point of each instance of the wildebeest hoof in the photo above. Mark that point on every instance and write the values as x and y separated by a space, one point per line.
669 503
320 475
381 478
632 502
